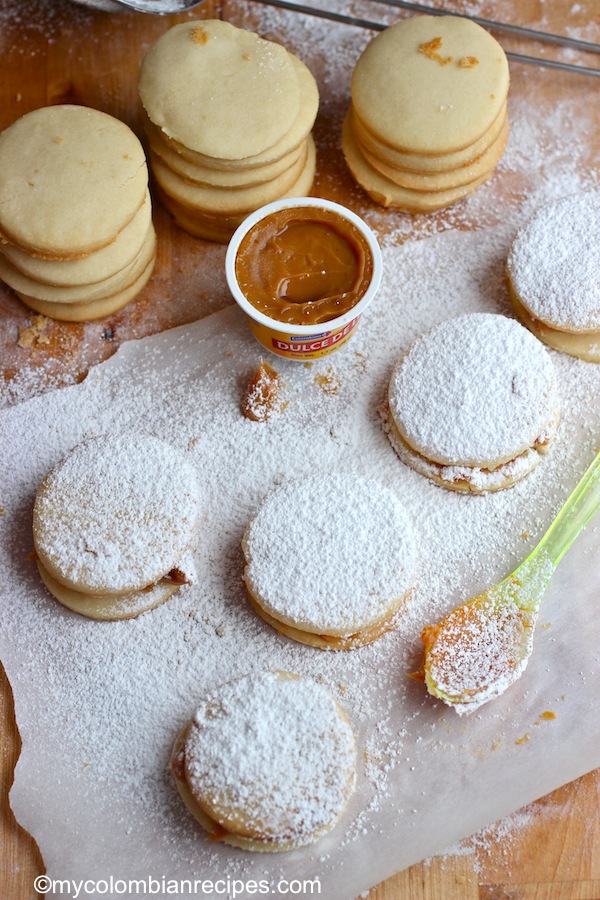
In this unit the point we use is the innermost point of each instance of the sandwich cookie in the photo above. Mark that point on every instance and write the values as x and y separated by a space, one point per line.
473 404
114 523
552 273
267 763
330 560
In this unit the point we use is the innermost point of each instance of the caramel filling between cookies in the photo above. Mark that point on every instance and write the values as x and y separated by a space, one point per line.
475 479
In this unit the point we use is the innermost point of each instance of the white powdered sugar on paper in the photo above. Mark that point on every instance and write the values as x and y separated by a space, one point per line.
99 705
555 260
330 554
476 390
274 753
117 513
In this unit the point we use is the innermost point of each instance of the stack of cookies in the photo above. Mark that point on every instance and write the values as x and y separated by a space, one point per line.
228 120
428 118
76 235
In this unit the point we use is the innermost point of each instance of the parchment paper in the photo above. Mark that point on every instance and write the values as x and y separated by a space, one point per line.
99 704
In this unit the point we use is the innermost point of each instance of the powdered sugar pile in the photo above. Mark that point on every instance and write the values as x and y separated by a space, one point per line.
332 567
273 753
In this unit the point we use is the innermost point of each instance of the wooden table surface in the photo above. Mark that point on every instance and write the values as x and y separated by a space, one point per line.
54 51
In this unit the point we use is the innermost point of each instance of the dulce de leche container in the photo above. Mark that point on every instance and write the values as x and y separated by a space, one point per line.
303 271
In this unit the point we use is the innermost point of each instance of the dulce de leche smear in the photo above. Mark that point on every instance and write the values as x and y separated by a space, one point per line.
304 265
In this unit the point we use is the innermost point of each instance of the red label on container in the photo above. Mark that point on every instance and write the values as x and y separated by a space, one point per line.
309 346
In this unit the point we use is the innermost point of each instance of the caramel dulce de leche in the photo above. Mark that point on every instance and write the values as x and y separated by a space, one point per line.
304 265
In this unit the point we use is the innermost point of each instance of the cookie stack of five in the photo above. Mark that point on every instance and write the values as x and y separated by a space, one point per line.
228 116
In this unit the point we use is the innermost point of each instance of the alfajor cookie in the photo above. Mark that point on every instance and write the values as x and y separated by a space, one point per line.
267 763
330 560
552 273
427 123
228 119
92 268
472 405
113 525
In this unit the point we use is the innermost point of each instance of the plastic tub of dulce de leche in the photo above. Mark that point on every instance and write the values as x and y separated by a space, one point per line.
303 271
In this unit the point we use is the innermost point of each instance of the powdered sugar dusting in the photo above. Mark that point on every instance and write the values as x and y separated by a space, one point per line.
554 263
331 567
117 513
477 390
99 704
274 752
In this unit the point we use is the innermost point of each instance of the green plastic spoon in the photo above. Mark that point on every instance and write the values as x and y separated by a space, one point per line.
483 646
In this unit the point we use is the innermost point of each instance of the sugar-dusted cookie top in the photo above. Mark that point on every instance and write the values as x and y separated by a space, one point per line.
116 514
430 84
554 264
477 390
330 553
220 90
71 178
271 757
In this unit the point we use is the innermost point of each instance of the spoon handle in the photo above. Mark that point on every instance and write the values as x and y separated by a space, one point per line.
579 508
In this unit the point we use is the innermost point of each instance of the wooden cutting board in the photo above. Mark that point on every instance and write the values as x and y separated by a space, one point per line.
61 52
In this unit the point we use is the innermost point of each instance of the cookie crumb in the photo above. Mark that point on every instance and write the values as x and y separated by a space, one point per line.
34 332
328 381
468 62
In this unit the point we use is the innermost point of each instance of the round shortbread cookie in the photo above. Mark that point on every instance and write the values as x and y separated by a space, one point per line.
84 293
391 195
267 763
204 176
291 141
412 162
554 262
89 269
433 182
116 515
219 90
90 310
227 201
474 393
472 479
215 227
581 344
331 574
109 608
71 178
430 85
